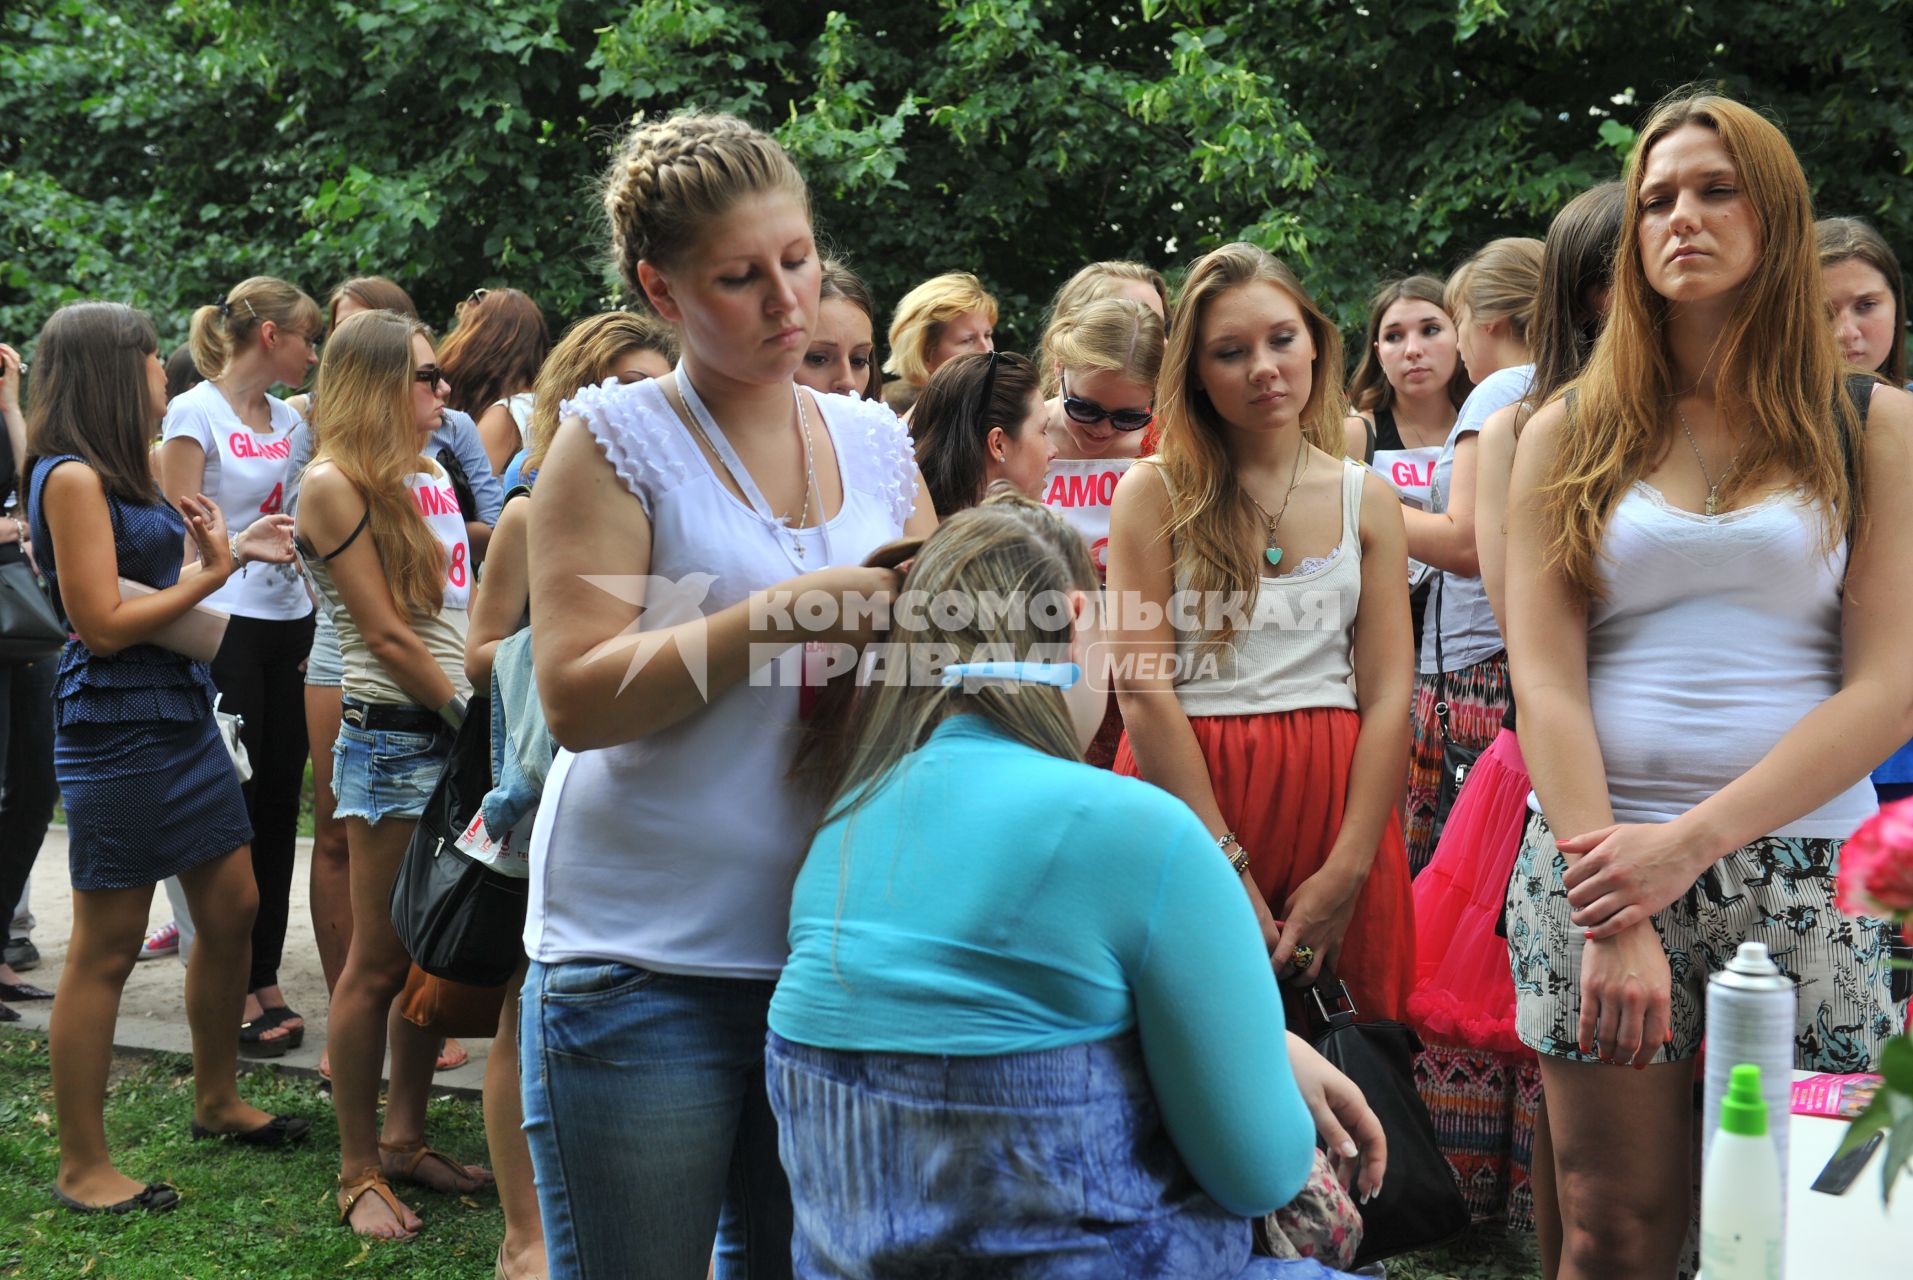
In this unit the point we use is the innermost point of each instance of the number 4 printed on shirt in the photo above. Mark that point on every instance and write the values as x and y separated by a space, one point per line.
270 507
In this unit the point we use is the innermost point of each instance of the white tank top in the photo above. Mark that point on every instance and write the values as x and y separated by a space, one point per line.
1080 490
246 476
676 852
1297 649
443 634
1714 636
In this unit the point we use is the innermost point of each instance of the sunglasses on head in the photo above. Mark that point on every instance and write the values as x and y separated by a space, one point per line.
430 374
1089 413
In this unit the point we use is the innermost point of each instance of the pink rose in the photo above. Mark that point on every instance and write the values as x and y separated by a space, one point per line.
1876 865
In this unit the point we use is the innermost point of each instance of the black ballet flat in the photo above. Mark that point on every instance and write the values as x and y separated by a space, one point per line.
23 991
9 1015
156 1198
276 1132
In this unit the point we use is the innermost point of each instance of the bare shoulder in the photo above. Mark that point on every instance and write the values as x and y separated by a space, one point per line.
1143 486
1892 408
1542 433
1501 425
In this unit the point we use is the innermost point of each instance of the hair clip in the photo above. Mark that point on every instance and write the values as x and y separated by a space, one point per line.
1058 675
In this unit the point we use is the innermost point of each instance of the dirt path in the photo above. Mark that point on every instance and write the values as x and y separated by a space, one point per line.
152 1016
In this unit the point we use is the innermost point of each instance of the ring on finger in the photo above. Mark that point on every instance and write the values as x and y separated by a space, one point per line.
1304 957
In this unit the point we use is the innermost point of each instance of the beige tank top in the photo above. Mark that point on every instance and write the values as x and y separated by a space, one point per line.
443 634
1296 650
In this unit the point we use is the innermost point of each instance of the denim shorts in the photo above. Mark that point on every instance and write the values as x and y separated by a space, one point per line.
325 665
386 773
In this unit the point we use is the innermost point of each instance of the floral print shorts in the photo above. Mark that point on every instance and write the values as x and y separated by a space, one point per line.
1777 890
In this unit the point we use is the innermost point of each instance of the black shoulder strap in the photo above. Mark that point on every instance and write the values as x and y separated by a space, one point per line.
516 491
339 550
1368 450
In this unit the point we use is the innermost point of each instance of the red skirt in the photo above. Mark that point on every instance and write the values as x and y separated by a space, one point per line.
1464 994
1281 781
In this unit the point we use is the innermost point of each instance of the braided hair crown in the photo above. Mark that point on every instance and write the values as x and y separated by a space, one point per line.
672 177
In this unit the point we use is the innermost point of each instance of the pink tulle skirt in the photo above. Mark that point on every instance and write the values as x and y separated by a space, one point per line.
1463 994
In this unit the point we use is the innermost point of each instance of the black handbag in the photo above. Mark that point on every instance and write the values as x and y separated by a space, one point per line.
30 627
1456 760
457 918
1420 1204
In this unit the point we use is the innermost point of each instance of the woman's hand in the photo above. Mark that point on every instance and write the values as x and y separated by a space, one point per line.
1627 873
206 526
1347 1125
1316 915
267 540
1626 996
9 379
862 601
12 530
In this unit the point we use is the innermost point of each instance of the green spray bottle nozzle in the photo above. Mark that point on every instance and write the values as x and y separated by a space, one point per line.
1743 1111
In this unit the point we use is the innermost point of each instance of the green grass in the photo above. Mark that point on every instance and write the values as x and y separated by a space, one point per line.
242 1213
261 1214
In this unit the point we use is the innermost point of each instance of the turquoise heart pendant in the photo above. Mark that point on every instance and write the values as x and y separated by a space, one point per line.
1274 556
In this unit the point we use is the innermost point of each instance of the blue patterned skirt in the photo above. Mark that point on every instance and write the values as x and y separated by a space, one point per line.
146 799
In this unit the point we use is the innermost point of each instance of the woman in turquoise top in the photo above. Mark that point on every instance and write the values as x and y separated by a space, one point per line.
1036 1034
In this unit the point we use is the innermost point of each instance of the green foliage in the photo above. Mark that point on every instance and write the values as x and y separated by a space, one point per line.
158 151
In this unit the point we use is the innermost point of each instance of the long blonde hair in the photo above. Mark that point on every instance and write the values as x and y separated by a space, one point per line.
1007 548
1777 363
221 329
1212 519
363 421
583 358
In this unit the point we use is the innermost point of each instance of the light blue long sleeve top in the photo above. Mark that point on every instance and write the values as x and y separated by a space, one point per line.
989 898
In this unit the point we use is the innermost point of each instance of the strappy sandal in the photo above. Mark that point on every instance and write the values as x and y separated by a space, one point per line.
253 1042
372 1180
418 1153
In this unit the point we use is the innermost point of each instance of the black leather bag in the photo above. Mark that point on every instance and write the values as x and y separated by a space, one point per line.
1456 760
1420 1204
30 627
459 919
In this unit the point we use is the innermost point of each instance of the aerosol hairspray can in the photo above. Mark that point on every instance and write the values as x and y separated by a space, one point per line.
1750 1018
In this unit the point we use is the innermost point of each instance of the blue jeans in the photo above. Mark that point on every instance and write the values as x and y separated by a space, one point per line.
1052 1165
649 1126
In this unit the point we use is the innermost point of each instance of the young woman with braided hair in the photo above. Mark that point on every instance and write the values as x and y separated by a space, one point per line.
1707 622
668 834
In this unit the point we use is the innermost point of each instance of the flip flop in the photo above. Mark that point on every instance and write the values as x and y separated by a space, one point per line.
277 1132
156 1198
23 991
448 1060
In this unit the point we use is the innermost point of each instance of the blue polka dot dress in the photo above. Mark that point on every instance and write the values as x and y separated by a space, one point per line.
148 787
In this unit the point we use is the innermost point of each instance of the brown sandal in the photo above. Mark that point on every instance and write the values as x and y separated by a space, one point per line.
418 1153
354 1190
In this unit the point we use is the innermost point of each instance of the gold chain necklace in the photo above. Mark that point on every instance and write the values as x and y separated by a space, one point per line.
1273 553
1713 488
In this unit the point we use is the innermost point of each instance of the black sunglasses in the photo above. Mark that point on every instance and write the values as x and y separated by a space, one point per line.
1088 412
430 374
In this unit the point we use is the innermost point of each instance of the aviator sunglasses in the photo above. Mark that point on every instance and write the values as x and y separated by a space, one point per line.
1088 412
